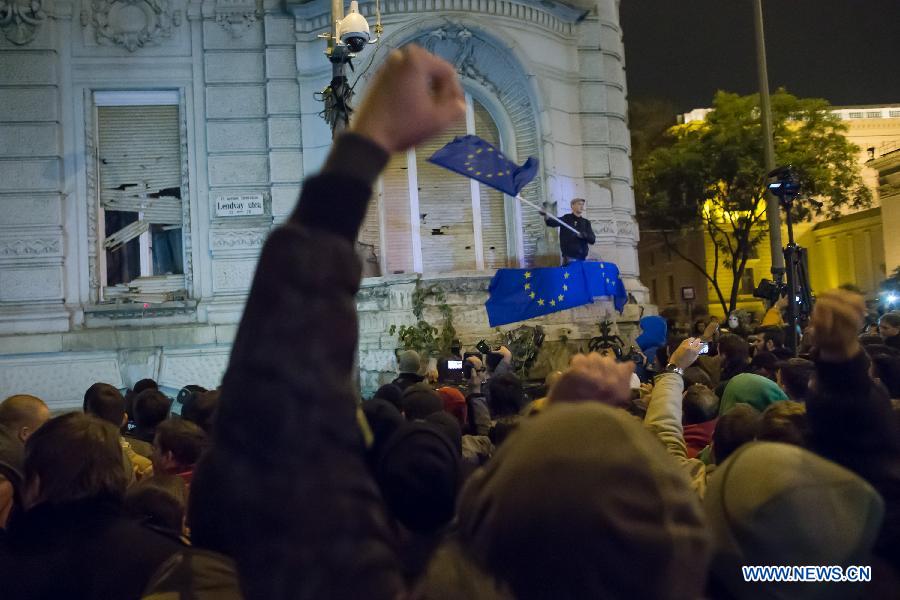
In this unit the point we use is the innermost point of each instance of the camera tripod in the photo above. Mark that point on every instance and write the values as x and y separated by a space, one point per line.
798 290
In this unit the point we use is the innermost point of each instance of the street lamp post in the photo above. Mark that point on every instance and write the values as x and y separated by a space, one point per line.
773 214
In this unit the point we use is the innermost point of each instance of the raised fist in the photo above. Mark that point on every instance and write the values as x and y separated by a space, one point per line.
413 97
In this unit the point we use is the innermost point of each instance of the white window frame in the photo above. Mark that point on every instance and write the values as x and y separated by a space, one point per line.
107 98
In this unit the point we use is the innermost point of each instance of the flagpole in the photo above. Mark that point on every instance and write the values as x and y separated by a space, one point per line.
554 217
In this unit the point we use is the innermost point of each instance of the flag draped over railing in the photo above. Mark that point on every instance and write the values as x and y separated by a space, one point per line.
520 294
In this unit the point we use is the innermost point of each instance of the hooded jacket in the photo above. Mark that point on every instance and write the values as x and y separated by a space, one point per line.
749 388
653 335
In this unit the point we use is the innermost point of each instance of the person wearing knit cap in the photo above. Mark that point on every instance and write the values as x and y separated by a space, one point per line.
748 388
454 404
582 502
778 504
408 365
417 471
419 401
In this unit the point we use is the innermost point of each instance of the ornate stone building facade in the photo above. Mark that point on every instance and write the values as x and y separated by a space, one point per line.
147 147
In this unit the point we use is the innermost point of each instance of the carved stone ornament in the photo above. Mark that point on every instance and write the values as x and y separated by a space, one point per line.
20 19
132 24
236 16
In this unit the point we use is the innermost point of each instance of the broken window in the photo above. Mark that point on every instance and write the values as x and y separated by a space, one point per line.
140 206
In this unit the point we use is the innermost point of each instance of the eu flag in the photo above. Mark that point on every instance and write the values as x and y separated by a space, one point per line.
603 280
519 294
475 158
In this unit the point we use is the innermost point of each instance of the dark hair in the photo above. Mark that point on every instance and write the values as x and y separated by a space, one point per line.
75 456
159 501
887 369
200 408
390 392
776 336
734 348
105 402
695 375
764 361
734 429
700 405
151 407
506 395
184 439
784 421
144 384
795 376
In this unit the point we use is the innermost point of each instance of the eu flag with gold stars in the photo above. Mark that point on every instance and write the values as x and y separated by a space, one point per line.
603 280
520 294
473 157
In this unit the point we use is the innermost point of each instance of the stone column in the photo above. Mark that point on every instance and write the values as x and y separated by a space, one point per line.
606 142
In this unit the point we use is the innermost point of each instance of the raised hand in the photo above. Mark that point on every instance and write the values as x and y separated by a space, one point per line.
595 377
836 322
413 97
686 353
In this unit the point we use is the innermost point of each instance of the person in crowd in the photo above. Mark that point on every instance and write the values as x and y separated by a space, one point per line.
200 408
177 446
748 388
539 404
573 246
735 359
454 404
419 401
594 378
408 366
700 414
478 415
302 447
105 402
653 336
132 393
794 376
524 518
784 422
695 375
886 370
765 364
889 329
778 504
418 473
159 502
20 416
774 316
850 416
74 540
389 392
506 399
151 407
499 362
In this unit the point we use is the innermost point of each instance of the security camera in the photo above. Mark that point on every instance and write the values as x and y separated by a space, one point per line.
353 29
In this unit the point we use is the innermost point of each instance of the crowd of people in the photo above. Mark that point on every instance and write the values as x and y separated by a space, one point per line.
659 477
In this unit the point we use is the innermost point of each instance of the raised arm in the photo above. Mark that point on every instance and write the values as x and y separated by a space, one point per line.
664 412
295 502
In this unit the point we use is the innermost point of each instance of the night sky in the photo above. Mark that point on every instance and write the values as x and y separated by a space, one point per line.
847 51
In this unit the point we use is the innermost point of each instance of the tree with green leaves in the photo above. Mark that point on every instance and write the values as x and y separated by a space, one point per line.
710 177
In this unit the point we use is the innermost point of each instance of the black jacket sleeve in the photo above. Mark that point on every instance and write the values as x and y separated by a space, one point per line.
299 510
587 232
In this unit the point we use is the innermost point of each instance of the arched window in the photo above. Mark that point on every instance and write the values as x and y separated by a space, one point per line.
426 219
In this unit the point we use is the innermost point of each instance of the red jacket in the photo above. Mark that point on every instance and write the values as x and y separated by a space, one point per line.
698 436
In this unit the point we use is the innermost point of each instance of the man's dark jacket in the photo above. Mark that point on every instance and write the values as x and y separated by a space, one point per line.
298 509
86 549
570 245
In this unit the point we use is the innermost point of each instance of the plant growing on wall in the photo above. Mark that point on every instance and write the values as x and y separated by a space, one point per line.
423 337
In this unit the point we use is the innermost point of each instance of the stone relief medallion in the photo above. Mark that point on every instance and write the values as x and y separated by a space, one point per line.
132 24
20 19
236 16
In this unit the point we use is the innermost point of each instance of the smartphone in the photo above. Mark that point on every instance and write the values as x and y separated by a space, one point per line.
704 348
454 365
